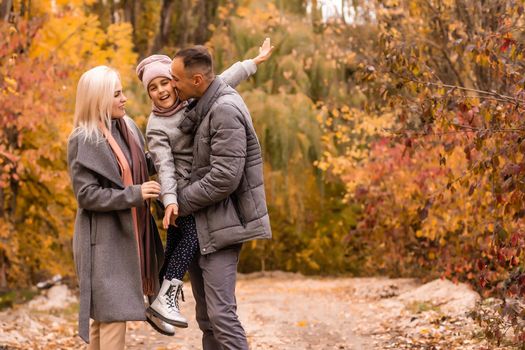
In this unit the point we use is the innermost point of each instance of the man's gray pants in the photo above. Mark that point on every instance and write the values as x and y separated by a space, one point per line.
213 277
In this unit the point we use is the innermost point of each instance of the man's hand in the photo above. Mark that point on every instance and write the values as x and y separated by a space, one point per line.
265 51
170 214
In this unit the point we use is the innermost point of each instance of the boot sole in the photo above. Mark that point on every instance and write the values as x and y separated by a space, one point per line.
152 324
167 320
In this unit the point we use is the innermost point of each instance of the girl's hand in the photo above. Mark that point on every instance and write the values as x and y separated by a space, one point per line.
150 189
170 214
265 51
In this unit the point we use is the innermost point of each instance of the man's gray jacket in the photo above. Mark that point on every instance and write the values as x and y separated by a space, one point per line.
226 194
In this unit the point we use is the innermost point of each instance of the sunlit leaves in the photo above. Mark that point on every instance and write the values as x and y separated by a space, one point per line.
35 200
78 39
306 67
453 82
41 60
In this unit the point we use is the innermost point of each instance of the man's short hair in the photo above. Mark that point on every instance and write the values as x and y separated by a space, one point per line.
197 59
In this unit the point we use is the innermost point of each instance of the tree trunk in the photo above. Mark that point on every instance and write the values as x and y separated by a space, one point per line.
3 271
263 264
199 13
315 13
104 13
164 26
208 11
2 202
129 11
343 5
130 15
183 24
22 8
5 9
14 186
180 27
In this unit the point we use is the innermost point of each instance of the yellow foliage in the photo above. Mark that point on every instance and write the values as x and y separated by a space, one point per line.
243 11
77 39
35 233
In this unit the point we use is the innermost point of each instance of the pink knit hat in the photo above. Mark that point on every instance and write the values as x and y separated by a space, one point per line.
153 67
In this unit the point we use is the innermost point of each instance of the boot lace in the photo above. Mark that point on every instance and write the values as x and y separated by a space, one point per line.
173 297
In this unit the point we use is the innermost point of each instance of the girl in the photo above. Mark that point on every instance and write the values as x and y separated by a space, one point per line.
172 152
116 246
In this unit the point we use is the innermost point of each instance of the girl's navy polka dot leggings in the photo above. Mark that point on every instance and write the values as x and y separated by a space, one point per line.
181 246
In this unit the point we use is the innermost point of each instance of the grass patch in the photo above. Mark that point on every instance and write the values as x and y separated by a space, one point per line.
12 297
70 311
417 307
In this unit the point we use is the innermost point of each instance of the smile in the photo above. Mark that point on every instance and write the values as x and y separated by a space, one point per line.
164 97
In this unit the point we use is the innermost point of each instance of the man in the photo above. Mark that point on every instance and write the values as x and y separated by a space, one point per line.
226 194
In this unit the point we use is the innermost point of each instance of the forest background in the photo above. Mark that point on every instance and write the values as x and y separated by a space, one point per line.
391 129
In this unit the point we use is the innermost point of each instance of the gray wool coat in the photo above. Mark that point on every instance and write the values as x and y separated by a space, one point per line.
104 244
226 194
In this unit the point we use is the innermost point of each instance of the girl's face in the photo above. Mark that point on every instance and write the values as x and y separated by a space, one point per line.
119 101
162 93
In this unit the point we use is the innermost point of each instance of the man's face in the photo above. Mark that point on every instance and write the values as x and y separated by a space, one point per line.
182 81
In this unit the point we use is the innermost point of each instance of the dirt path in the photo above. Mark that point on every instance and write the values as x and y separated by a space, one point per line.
287 311
278 313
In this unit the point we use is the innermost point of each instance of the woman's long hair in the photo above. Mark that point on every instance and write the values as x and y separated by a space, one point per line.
94 101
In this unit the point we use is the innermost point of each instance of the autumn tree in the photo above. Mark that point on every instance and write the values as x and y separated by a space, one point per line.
439 185
309 220
42 57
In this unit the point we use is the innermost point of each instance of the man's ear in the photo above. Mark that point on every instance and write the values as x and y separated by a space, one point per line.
197 79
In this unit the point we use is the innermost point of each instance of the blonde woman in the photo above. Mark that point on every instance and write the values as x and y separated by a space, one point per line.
116 247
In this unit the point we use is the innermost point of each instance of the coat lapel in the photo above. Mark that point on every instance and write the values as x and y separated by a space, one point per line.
98 157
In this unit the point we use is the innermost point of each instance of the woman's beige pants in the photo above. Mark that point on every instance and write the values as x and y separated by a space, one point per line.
107 336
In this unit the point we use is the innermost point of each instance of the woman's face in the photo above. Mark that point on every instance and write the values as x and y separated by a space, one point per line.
162 93
119 101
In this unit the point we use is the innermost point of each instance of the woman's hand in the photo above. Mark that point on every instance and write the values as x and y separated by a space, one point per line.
265 51
150 189
170 214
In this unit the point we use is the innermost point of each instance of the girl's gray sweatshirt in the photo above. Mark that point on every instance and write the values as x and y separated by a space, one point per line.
171 149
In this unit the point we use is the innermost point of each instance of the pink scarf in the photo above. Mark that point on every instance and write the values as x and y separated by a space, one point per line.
136 175
168 112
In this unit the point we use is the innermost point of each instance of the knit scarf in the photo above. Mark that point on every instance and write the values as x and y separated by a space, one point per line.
136 175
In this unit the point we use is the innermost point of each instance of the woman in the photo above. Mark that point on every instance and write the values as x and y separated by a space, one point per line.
117 249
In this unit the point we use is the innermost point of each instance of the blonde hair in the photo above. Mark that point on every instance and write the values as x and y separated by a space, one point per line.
94 101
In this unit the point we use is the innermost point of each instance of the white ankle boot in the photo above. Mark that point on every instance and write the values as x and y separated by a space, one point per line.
159 325
166 305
